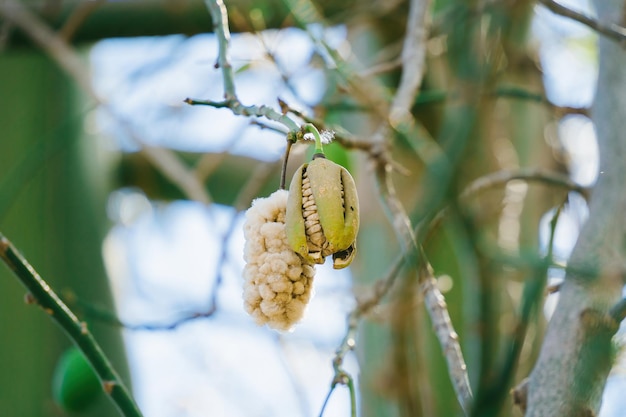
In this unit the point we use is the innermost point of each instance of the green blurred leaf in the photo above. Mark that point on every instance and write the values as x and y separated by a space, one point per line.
75 386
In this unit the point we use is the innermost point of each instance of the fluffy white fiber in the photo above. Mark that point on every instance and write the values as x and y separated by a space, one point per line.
277 281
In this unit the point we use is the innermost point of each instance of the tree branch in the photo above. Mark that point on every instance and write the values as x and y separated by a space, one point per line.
499 178
241 110
219 15
610 30
413 62
41 293
618 311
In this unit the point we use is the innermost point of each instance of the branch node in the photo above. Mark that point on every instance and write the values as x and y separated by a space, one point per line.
29 299
596 321
520 395
108 386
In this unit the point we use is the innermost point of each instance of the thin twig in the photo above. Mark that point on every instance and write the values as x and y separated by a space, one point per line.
41 293
413 61
341 377
108 317
283 171
525 174
433 299
71 63
239 109
400 113
381 68
610 30
221 29
219 15
448 338
78 16
344 138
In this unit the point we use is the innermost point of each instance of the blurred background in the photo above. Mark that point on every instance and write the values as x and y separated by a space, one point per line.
155 267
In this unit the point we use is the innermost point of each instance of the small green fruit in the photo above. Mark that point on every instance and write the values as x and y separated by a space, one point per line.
75 386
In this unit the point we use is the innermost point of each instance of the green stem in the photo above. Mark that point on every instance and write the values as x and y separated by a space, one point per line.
76 330
309 128
352 390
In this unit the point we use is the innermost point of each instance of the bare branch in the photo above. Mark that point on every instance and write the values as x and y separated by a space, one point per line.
448 338
499 178
52 44
413 62
610 30
78 16
219 16
239 109
108 317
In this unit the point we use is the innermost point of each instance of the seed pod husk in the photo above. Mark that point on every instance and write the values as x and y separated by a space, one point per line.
323 212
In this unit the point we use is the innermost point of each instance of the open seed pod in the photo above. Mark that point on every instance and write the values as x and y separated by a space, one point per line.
323 212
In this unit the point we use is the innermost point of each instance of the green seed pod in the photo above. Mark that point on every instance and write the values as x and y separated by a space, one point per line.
75 385
323 212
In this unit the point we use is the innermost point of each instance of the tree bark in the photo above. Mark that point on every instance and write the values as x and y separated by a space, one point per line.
576 356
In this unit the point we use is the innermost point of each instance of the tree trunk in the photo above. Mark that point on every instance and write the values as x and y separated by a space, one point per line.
576 356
